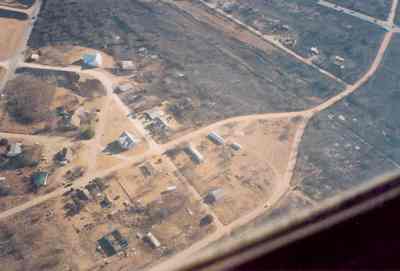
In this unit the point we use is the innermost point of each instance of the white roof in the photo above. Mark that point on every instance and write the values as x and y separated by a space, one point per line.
127 140
15 149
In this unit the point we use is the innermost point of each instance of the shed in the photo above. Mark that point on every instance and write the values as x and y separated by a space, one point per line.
236 146
195 154
153 114
39 178
127 141
124 87
214 195
152 240
314 50
15 150
216 138
127 65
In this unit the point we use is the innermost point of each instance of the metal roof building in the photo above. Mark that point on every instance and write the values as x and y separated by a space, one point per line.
216 138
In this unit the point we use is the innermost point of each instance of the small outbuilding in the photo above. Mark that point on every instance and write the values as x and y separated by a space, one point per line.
214 195
195 155
93 59
39 178
127 65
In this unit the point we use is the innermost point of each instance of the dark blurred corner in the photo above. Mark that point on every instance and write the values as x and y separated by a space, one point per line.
370 241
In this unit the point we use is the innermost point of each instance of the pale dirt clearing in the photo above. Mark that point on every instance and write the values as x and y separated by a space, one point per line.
11 32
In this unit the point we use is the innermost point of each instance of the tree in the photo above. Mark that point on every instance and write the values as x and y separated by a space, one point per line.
87 132
29 99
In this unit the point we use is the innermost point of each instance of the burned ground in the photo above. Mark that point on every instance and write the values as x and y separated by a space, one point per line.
311 25
223 76
356 139
375 8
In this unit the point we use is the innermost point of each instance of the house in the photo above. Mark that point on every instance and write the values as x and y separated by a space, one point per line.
93 59
127 65
39 178
124 87
194 154
15 149
63 157
214 195
127 141
217 139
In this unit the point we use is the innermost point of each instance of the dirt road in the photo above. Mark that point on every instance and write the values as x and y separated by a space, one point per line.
245 33
384 24
156 149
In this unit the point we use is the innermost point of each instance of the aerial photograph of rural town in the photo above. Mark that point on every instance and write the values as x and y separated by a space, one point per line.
135 133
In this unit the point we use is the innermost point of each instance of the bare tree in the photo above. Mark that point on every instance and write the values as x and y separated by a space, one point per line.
29 99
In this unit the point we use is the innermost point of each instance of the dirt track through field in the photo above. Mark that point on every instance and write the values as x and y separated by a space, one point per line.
246 34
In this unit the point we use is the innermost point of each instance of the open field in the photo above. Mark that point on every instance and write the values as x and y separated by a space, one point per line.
376 8
12 25
34 241
301 25
222 76
355 140
250 174
17 3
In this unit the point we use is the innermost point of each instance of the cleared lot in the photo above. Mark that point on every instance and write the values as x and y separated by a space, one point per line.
247 177
12 25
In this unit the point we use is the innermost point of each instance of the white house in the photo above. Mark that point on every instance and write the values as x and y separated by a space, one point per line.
127 141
